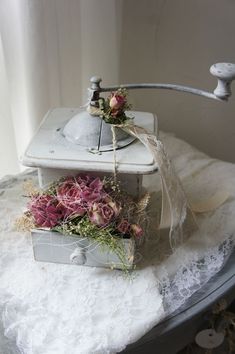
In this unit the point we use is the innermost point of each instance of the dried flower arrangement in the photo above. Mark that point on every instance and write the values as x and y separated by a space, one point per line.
89 206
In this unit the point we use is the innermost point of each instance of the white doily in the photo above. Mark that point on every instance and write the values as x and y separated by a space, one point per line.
52 308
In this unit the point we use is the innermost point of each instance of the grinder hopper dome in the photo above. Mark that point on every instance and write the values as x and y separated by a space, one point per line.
92 132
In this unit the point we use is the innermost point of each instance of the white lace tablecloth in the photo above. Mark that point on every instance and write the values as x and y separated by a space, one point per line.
57 309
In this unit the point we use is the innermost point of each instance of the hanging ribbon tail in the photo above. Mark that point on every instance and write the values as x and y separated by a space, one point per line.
176 213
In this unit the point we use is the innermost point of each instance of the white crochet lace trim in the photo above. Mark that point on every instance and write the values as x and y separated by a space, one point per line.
189 278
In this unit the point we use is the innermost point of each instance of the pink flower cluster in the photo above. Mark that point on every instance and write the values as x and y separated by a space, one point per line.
77 194
83 195
46 210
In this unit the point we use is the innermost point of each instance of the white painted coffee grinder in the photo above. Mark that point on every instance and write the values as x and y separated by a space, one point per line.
70 141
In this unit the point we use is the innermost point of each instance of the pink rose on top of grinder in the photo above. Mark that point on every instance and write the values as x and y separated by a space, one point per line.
117 102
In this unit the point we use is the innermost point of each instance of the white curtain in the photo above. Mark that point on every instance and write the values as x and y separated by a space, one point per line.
50 48
8 156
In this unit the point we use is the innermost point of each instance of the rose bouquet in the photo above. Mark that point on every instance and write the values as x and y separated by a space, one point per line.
88 206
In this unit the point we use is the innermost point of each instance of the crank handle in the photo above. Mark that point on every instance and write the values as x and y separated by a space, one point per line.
224 72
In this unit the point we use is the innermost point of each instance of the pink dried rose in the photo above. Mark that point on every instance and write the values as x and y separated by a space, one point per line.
114 205
136 230
117 102
102 214
46 211
124 226
77 193
93 191
83 180
69 196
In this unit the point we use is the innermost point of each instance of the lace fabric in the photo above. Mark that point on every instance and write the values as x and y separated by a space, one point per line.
176 213
53 308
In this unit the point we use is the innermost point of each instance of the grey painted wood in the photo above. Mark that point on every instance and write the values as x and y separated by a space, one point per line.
49 246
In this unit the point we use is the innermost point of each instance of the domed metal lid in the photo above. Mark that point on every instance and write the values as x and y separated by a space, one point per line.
92 133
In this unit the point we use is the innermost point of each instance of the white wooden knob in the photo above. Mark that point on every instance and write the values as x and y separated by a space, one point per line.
95 82
225 73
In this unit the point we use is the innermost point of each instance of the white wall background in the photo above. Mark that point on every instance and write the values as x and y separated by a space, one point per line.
50 48
177 41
